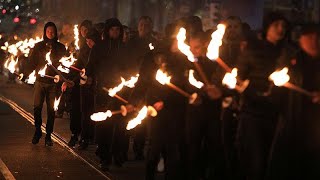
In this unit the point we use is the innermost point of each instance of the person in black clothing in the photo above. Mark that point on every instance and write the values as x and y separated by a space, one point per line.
167 128
110 134
82 56
88 87
260 108
45 88
297 147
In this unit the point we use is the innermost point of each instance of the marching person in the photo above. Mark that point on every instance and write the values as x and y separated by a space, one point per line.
45 88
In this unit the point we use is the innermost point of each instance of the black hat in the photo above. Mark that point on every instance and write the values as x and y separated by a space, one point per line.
86 23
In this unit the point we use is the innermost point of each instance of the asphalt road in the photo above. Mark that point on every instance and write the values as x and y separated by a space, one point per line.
23 160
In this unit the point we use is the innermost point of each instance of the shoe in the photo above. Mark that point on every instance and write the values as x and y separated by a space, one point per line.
48 141
105 166
83 145
36 137
58 115
73 140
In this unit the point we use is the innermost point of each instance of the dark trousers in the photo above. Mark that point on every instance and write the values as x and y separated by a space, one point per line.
75 113
44 91
203 133
166 138
87 108
229 131
256 133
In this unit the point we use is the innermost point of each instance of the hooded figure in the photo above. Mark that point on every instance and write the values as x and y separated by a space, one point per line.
45 88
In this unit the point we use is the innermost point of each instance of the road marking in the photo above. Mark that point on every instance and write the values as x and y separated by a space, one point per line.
5 171
55 137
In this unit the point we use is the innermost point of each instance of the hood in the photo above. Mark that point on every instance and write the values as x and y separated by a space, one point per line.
112 22
48 24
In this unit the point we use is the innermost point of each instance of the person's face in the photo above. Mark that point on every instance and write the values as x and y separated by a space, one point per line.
114 32
309 43
196 47
90 43
144 27
50 32
233 29
277 30
83 31
66 29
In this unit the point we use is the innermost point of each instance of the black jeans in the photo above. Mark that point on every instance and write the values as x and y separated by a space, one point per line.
75 113
87 108
44 91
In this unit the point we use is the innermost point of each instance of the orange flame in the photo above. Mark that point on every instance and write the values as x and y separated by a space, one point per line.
10 64
48 59
32 77
162 77
76 36
101 116
230 79
68 61
129 83
151 46
63 69
42 72
193 81
281 77
183 47
56 103
216 42
137 120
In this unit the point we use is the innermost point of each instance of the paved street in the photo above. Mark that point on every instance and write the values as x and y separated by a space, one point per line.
27 161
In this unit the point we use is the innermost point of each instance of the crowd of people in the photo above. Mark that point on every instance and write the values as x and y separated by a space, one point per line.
264 132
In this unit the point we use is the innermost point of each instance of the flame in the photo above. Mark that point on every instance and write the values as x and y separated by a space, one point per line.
101 116
183 47
137 120
151 46
56 103
132 81
130 84
280 78
42 72
10 64
162 77
48 58
216 42
68 61
22 46
76 36
193 81
32 77
63 69
113 91
230 79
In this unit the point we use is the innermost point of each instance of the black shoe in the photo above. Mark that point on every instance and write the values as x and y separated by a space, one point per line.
48 141
83 145
73 140
36 137
105 166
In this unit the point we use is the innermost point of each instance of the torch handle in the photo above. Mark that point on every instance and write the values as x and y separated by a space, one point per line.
201 73
120 98
174 87
223 65
74 68
116 112
298 89
59 73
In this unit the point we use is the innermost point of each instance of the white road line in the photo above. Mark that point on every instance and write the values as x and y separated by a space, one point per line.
5 171
55 137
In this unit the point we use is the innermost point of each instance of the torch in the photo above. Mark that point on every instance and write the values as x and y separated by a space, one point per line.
129 83
185 49
281 78
56 71
230 80
143 113
102 116
42 73
164 79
